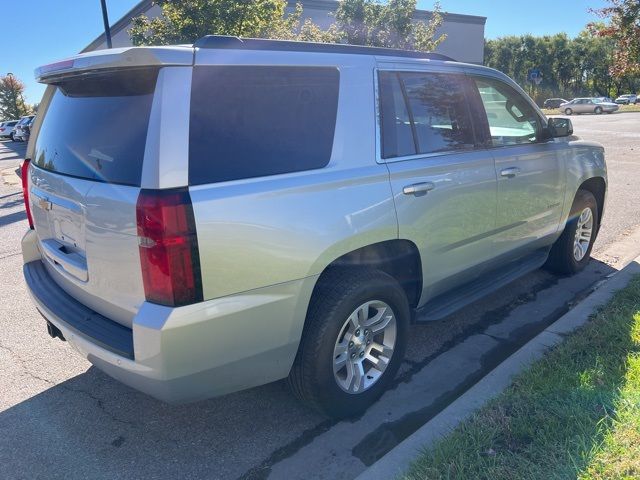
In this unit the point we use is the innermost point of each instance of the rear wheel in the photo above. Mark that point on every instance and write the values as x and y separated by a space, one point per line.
598 110
353 342
568 111
572 250
12 137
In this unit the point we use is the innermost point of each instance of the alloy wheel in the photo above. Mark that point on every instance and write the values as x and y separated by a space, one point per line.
584 232
364 346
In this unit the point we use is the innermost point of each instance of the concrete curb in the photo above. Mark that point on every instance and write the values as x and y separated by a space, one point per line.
398 460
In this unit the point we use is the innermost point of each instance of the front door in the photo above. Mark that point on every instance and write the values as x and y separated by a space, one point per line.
529 168
444 185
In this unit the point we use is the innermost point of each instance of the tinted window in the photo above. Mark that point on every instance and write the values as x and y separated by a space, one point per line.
512 120
249 121
423 113
439 111
397 133
96 127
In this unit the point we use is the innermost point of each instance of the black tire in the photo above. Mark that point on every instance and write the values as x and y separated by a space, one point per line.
598 110
339 293
561 259
12 137
568 111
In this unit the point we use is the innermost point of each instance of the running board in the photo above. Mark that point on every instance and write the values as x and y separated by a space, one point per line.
448 303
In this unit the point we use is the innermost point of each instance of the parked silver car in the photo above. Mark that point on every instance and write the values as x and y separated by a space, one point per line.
587 105
20 130
627 99
207 219
7 128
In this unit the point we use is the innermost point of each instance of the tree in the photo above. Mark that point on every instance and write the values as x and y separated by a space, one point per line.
623 28
369 22
12 104
570 67
360 22
186 21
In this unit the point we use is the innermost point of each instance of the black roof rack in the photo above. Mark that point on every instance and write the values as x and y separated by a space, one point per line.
235 43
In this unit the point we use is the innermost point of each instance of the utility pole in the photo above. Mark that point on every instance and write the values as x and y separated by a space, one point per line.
105 19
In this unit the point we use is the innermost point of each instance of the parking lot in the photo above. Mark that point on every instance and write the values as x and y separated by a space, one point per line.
62 418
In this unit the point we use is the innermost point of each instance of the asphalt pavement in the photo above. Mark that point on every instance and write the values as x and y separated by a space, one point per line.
62 418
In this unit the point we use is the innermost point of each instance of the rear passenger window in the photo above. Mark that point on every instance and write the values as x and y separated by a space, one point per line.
437 113
397 130
512 120
249 121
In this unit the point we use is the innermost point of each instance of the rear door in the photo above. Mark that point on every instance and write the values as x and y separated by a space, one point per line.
85 180
443 183
529 168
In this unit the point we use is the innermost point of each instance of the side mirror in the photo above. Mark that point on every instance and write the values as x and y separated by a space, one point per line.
560 127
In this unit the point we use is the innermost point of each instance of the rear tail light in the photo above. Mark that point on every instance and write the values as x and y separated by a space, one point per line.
24 173
168 247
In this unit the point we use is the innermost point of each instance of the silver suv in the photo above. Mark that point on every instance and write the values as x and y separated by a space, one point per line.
213 217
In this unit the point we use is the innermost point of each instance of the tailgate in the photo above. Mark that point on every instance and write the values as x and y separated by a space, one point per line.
84 184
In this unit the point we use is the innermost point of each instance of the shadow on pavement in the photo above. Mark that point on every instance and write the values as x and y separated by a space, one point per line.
16 200
13 217
94 427
12 151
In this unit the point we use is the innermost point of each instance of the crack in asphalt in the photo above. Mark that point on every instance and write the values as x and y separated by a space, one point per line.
10 255
24 369
99 403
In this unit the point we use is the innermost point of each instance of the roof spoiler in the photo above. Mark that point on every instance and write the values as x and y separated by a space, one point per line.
115 58
225 42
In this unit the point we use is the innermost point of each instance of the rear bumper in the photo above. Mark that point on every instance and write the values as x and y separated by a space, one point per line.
187 353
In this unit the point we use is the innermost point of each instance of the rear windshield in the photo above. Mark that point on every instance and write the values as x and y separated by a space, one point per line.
252 121
95 127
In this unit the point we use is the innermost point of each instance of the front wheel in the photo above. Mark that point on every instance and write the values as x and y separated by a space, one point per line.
572 250
568 111
353 341
598 110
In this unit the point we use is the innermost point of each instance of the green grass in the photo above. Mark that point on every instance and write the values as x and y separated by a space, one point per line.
623 109
573 414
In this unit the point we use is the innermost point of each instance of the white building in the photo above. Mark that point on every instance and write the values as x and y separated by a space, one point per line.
465 33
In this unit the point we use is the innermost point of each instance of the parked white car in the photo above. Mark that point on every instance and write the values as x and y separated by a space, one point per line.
627 99
7 129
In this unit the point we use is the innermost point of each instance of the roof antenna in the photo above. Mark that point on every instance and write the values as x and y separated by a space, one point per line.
105 19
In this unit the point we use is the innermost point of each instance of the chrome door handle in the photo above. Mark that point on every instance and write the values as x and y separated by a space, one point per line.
418 188
510 172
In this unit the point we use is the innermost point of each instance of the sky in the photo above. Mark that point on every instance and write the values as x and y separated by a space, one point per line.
42 31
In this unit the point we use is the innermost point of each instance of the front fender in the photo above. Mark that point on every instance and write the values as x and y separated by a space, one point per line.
585 160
